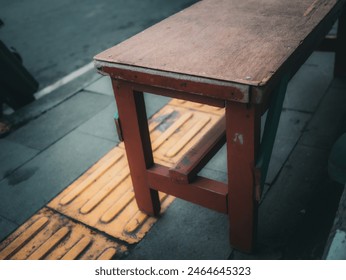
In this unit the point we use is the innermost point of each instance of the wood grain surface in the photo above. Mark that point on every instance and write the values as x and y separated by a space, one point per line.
229 40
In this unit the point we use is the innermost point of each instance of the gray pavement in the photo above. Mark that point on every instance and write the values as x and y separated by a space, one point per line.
57 37
58 137
47 153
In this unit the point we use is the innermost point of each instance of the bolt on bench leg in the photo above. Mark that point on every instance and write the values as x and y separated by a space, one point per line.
135 132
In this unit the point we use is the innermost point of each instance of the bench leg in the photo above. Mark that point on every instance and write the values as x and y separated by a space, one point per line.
340 54
134 126
243 138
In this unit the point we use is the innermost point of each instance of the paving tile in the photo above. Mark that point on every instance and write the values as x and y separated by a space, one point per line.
337 249
6 227
13 155
171 130
103 197
308 86
38 181
339 83
154 103
102 85
53 125
216 168
102 124
185 231
329 121
289 131
213 174
51 236
285 209
53 99
290 128
282 210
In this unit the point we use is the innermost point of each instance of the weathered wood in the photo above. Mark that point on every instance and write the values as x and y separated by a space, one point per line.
185 171
223 53
202 191
175 93
250 40
136 136
243 136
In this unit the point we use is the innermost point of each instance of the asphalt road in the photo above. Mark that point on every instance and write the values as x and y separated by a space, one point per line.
55 38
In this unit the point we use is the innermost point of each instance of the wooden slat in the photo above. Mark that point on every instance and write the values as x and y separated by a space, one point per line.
229 40
196 158
202 191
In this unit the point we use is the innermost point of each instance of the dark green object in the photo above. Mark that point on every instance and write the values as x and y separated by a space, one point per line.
270 129
17 85
337 161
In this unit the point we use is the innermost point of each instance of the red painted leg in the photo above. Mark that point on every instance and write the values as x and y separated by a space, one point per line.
243 137
134 126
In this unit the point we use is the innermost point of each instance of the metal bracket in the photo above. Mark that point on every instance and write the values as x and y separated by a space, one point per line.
118 127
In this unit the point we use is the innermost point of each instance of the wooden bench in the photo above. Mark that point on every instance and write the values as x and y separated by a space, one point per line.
238 55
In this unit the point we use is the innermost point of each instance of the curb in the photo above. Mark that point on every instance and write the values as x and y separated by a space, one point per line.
49 101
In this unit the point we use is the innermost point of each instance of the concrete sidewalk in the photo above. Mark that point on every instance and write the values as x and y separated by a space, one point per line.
62 135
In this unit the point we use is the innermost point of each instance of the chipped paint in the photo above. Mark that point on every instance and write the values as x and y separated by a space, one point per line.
238 137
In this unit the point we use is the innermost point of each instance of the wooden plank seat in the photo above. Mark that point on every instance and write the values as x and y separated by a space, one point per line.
238 55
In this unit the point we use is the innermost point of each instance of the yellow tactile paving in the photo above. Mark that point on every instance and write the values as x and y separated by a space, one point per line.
103 199
186 124
197 106
49 235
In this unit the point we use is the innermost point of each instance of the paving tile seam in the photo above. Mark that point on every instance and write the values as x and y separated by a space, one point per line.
17 124
320 101
296 110
303 131
39 152
95 92
115 141
316 147
20 166
16 127
274 180
103 233
284 108
75 128
107 215
136 224
7 219
49 235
